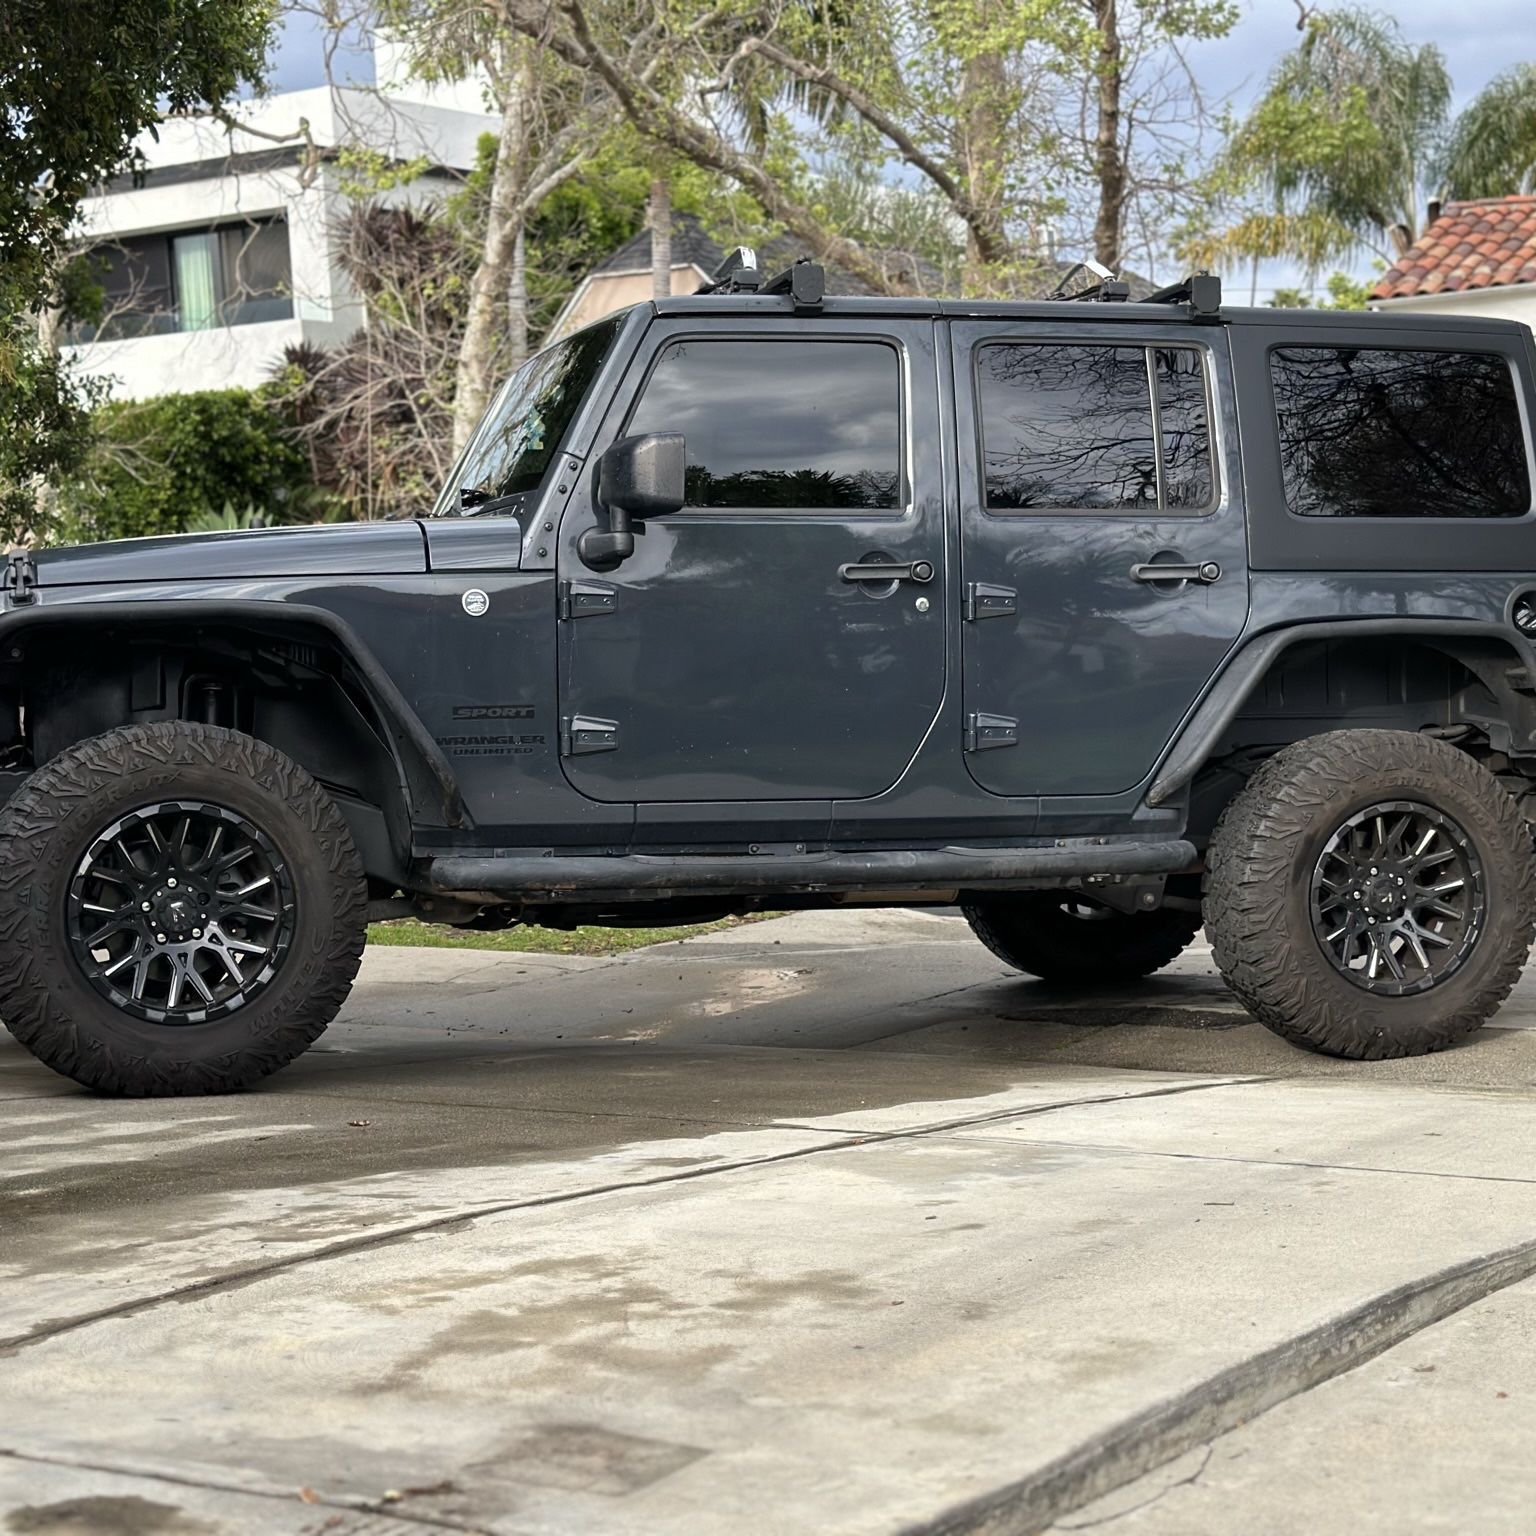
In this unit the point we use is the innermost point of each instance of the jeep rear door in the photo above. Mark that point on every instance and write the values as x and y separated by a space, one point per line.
735 657
1091 455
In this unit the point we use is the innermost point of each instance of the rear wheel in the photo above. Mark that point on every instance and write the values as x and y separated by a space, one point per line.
1064 937
181 911
1371 894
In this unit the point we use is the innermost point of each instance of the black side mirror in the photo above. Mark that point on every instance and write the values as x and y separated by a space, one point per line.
637 477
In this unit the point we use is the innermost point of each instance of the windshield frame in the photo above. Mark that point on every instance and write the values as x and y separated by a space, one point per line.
511 407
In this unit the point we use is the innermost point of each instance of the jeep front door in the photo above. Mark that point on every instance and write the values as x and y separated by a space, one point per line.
781 638
1103 549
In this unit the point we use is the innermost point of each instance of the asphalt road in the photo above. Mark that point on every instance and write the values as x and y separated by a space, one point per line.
829 1224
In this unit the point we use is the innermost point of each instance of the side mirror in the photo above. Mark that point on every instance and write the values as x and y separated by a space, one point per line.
637 477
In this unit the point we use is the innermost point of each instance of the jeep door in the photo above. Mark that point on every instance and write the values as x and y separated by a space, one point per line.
1093 459
735 656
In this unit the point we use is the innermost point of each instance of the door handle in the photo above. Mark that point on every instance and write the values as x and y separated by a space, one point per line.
1205 572
887 570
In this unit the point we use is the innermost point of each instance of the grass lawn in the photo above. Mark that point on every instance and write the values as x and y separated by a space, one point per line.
545 941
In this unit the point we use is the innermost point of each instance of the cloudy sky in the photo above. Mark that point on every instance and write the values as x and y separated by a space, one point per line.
1478 37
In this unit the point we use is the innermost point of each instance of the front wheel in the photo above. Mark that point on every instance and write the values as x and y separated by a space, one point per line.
181 911
1371 894
1069 939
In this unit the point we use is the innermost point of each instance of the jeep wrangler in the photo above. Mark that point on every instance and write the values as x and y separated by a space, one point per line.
1101 621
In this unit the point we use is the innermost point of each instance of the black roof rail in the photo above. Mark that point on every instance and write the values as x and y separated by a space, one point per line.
1200 290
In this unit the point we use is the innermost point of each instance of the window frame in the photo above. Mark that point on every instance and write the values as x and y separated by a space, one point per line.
905 501
1148 346
1472 346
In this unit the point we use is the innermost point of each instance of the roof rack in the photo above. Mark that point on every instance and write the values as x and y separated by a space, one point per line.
1200 290
805 282
1108 290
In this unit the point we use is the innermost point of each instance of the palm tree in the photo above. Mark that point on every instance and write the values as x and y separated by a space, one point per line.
1353 137
1491 150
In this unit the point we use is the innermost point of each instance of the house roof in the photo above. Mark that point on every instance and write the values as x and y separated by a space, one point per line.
1489 243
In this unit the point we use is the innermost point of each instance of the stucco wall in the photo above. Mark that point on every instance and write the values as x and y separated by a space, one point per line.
1493 303
618 290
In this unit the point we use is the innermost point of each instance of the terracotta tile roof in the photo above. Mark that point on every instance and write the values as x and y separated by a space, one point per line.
1490 243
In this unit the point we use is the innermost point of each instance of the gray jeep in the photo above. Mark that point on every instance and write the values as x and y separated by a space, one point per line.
1098 620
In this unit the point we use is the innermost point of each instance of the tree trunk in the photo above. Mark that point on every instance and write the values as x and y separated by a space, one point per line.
983 115
1109 151
658 216
479 355
517 302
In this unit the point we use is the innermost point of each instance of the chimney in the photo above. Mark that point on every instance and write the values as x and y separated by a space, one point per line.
1434 210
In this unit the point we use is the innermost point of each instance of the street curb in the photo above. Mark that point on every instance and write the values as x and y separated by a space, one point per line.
1158 1435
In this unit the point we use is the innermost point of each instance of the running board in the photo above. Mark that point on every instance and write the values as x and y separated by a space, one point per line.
636 874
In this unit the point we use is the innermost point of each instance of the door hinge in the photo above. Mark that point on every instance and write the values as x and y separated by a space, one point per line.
582 733
984 732
21 578
984 601
578 599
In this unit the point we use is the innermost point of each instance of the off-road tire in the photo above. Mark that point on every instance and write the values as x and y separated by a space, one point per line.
1258 877
45 829
1034 932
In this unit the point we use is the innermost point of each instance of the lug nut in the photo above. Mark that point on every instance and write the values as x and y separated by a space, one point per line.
144 906
172 880
197 933
160 938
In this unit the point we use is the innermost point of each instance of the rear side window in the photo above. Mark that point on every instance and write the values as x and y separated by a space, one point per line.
1382 432
798 425
1068 427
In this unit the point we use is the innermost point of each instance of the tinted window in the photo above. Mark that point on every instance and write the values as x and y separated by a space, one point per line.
1067 427
522 431
1372 432
802 424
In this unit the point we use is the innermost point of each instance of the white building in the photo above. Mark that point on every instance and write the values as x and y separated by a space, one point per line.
1474 258
220 252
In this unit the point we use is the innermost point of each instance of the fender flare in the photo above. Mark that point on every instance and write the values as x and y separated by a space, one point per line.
426 777
1202 729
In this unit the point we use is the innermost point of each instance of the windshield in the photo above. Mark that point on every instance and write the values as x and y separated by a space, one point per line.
521 433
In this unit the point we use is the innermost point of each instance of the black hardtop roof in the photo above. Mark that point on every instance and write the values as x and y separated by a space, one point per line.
1059 312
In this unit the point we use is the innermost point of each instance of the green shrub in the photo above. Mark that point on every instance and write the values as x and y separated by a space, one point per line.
176 463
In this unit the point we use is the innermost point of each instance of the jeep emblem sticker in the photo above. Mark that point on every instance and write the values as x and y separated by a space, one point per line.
475 602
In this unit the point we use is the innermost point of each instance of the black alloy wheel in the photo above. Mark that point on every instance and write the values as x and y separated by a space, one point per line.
181 912
1398 898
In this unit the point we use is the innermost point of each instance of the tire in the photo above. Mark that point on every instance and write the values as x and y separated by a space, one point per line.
1063 937
258 984
1297 865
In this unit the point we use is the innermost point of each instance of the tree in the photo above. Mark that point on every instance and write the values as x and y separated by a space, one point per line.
948 89
79 83
1352 137
1492 147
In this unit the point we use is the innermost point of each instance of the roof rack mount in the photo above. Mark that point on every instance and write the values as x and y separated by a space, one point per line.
804 283
1200 290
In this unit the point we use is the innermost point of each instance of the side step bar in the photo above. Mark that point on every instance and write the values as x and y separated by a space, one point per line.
753 874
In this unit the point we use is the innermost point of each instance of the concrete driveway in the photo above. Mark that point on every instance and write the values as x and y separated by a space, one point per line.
824 1225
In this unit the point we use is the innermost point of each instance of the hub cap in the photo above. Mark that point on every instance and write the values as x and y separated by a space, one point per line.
180 913
1397 898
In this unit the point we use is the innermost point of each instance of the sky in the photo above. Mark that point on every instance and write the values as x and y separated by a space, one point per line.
1479 38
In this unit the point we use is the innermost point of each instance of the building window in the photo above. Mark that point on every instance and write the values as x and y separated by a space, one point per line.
191 280
1381 432
803 426
1069 427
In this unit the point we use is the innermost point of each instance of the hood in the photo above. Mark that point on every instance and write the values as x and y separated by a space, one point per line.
328 550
